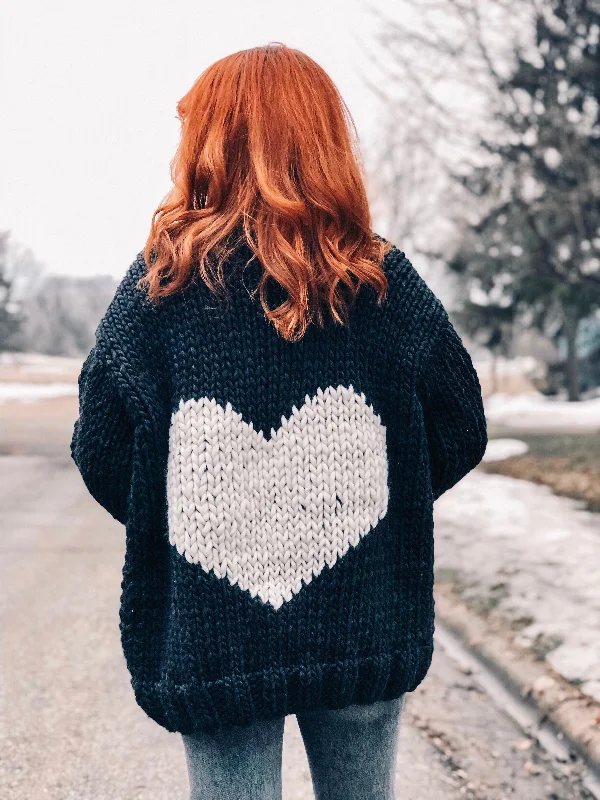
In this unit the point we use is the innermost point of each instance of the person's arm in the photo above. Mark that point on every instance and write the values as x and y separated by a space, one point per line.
453 410
103 435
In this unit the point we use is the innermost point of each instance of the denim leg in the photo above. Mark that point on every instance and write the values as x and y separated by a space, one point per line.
352 751
239 763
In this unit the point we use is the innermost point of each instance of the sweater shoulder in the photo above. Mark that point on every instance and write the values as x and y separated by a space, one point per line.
129 297
412 303
128 313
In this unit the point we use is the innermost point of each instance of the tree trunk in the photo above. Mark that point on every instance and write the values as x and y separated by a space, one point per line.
573 378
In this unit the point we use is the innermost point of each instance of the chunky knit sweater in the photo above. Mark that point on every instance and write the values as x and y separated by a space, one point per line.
277 495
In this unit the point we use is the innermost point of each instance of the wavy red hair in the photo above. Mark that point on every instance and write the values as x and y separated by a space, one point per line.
268 154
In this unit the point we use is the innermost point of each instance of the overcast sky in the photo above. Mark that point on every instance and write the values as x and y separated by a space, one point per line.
87 107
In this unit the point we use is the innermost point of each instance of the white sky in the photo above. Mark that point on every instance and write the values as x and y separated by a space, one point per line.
87 107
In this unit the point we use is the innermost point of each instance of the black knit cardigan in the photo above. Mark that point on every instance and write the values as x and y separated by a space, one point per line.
277 495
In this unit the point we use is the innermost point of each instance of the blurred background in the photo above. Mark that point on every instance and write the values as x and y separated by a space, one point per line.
479 129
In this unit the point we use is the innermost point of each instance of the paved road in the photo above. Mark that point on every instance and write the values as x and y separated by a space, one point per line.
69 725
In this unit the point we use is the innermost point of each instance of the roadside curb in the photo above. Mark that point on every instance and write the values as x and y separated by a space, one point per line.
571 712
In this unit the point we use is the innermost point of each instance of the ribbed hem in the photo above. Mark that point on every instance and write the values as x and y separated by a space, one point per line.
244 698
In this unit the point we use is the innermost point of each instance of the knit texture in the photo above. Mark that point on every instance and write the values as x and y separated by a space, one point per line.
277 496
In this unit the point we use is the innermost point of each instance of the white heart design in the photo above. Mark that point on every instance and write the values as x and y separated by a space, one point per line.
269 514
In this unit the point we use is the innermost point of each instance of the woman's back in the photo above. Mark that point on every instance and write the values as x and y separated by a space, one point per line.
274 400
277 493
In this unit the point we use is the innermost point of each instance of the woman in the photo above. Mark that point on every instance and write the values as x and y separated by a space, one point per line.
274 401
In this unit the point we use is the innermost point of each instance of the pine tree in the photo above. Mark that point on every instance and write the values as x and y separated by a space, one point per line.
536 246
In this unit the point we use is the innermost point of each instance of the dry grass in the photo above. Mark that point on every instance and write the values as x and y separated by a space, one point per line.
568 464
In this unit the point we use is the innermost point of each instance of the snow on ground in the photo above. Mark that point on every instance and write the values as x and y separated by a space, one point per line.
39 363
533 410
517 550
30 392
499 449
29 377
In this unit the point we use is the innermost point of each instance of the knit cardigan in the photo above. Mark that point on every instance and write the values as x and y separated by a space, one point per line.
277 495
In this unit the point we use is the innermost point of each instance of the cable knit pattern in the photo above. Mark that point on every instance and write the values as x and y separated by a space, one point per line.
277 496
269 514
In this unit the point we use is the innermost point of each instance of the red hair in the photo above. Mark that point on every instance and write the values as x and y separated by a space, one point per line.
268 154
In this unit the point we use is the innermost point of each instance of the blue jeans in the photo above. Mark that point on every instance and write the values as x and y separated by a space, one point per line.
351 753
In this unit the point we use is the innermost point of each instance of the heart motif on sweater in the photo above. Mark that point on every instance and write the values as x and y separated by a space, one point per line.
270 514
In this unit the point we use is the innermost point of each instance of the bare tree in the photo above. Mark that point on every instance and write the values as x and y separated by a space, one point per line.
19 272
61 316
507 99
432 76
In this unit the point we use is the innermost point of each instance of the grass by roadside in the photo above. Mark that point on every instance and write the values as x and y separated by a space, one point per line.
568 463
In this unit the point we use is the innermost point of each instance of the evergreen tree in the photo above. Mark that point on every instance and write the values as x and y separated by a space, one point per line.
535 249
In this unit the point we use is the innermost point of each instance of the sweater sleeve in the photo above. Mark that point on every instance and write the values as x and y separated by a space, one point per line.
102 441
453 410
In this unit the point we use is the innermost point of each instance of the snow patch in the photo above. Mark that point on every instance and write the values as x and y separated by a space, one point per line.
499 449
30 392
40 363
532 556
534 410
592 689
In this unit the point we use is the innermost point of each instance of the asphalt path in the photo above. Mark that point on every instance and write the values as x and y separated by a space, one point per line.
69 724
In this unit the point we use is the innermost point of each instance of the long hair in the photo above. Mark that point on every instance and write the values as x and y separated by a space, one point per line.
268 155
